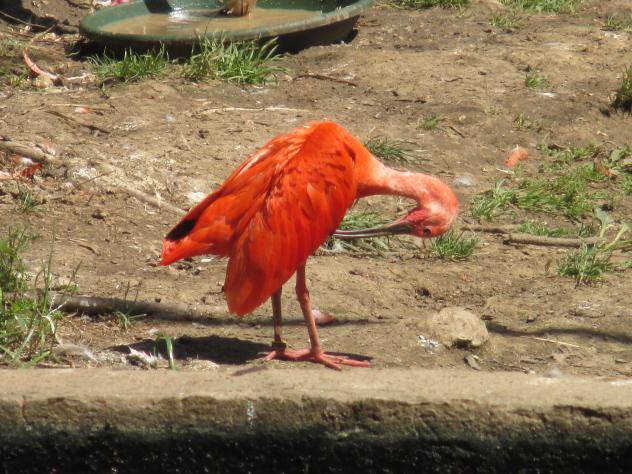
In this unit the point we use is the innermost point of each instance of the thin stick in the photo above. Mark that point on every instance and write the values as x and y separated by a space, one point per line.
324 77
98 305
556 342
549 241
501 229
27 151
78 122
246 109
456 130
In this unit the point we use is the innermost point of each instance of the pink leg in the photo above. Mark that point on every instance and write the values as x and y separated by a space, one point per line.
315 353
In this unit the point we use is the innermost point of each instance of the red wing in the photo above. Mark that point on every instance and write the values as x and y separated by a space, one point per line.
308 196
212 226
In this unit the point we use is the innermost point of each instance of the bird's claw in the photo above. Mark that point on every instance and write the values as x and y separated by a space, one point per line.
318 357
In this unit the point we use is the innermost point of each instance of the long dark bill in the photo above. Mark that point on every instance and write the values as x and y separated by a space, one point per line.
396 228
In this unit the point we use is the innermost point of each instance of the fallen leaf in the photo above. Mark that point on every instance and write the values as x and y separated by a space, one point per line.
516 155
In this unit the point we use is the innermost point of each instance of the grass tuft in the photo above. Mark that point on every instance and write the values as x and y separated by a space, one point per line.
541 228
523 121
131 67
499 20
452 246
615 24
623 95
534 81
541 6
586 264
245 62
431 123
26 200
374 246
28 321
390 150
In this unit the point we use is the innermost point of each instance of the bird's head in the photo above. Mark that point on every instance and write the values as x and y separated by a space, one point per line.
433 215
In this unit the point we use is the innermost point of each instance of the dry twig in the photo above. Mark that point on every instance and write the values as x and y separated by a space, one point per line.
529 239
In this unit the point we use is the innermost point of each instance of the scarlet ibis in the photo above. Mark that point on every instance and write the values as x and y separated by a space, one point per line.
282 203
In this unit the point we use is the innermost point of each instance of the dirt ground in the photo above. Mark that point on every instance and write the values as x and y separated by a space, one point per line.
179 140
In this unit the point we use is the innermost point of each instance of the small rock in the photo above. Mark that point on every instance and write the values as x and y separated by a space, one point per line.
531 318
456 326
42 82
100 214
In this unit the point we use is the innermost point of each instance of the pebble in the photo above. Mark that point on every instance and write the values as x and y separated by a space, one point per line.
456 326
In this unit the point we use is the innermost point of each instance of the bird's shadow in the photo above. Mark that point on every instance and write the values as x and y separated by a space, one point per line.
222 350
218 349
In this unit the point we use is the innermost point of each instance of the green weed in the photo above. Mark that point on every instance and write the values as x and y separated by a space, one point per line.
131 67
28 320
615 24
586 264
523 121
535 81
245 62
539 6
623 95
388 149
452 245
566 192
499 20
162 336
572 153
9 48
374 246
540 228
626 184
431 123
26 200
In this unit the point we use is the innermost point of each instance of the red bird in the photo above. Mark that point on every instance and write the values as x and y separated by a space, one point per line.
282 203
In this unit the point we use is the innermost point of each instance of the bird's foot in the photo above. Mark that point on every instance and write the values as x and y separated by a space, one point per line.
332 361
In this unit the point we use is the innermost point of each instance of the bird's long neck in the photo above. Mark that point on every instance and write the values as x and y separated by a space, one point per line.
376 178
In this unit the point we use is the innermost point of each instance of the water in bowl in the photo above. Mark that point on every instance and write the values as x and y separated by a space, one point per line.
186 22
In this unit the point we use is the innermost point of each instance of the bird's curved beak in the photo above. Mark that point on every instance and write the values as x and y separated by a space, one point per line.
396 228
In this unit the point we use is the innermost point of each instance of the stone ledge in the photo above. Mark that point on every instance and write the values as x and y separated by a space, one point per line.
311 420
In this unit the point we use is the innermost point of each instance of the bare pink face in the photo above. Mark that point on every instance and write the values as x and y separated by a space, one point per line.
431 221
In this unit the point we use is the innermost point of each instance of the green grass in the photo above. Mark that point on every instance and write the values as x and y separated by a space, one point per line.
131 67
499 20
245 62
623 95
452 246
162 336
28 321
540 6
587 264
566 192
9 48
10 77
626 184
374 246
420 4
431 123
540 228
390 150
534 81
571 154
26 200
523 121
615 24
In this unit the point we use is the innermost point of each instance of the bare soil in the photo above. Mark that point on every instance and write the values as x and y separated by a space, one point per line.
179 140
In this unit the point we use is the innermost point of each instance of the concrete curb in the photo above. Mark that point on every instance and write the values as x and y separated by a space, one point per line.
312 420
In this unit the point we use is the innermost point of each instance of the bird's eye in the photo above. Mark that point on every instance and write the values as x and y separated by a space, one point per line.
427 232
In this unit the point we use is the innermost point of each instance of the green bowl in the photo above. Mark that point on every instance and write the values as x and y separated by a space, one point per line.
332 21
